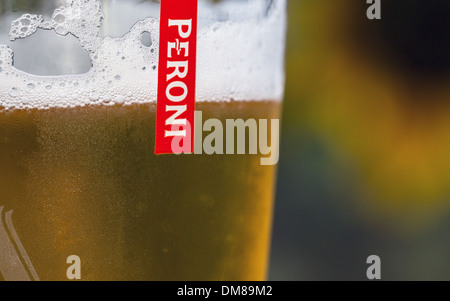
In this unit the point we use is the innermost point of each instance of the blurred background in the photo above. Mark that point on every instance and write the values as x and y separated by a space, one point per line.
365 157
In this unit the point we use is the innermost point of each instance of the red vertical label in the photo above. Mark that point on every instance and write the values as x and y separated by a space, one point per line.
176 77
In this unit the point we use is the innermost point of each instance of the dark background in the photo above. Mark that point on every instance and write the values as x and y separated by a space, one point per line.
365 156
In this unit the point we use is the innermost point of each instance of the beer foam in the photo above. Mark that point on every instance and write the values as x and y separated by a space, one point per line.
238 58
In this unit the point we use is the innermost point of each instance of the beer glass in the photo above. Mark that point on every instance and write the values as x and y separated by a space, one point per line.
82 194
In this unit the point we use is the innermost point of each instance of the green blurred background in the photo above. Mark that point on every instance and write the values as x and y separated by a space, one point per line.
365 156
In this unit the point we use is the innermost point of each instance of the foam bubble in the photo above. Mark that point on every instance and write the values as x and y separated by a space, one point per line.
239 58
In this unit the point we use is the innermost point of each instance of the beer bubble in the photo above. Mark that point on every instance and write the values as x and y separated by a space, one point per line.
26 25
146 39
31 86
59 18
13 92
61 30
120 100
94 96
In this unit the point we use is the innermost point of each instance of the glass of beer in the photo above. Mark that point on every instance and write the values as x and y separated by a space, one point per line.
83 195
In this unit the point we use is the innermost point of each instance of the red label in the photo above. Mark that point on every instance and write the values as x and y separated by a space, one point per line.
176 77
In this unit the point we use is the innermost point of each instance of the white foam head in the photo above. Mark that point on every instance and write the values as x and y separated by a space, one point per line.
240 56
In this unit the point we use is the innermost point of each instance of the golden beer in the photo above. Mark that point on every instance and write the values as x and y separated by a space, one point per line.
86 182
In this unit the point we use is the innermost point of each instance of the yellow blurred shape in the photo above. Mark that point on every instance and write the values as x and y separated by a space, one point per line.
395 128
